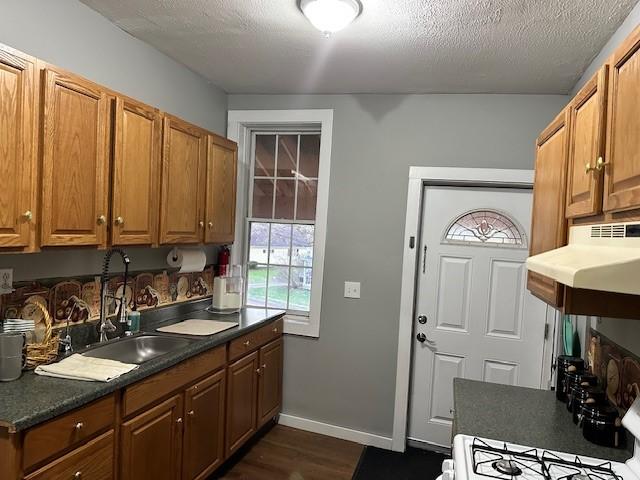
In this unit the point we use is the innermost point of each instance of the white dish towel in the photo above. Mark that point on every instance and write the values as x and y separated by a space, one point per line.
88 369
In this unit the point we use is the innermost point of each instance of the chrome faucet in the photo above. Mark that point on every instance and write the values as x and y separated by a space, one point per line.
105 325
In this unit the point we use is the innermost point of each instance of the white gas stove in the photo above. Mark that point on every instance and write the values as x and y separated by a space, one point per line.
480 458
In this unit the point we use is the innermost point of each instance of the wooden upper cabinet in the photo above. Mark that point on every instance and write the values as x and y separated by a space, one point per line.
270 384
587 122
184 157
622 167
136 173
548 224
204 427
151 443
221 190
75 161
18 176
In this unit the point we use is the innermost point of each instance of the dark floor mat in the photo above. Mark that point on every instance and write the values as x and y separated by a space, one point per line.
379 464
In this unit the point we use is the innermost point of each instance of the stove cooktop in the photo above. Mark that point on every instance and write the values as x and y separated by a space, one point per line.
492 459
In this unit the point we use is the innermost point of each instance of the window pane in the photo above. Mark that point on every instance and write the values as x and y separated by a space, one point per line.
287 155
300 289
302 249
265 156
259 243
285 195
280 244
262 206
485 227
307 194
257 285
278 283
309 155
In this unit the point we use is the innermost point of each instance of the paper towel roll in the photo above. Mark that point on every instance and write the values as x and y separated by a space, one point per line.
187 259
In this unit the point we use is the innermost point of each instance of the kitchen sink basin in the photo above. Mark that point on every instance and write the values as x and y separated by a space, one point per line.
138 349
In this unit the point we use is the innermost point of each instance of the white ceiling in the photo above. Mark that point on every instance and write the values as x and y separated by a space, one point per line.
395 46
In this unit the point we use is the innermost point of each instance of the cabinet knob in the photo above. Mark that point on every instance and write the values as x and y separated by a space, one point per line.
258 371
210 225
119 221
79 426
600 164
191 413
275 330
247 343
28 215
179 420
77 475
264 366
201 224
102 220
588 168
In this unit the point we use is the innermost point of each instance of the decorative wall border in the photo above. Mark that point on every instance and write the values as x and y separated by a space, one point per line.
78 299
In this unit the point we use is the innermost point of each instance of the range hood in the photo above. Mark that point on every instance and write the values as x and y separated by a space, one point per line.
598 257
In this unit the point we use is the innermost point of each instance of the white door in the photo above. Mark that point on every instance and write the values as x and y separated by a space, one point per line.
475 317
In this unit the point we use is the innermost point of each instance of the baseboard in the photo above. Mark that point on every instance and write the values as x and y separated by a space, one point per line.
343 433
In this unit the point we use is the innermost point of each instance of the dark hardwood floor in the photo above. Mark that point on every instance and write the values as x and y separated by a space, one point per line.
285 453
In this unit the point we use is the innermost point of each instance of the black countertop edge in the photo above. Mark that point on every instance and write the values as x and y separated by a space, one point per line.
34 399
523 416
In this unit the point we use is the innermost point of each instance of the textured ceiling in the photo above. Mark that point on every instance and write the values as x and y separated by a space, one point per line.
395 46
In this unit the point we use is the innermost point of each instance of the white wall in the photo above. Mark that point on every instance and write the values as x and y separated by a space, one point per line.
71 35
347 376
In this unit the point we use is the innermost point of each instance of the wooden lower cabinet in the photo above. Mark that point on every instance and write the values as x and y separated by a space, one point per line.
242 400
270 383
92 461
179 424
151 443
204 427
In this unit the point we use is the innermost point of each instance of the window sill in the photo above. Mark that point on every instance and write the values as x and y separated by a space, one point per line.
300 325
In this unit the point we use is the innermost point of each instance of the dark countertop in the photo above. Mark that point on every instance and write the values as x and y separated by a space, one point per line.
524 416
34 399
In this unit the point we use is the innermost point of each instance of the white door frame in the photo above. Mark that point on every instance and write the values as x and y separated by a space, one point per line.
418 178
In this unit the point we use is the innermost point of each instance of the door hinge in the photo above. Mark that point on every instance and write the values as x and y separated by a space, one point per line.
412 242
546 331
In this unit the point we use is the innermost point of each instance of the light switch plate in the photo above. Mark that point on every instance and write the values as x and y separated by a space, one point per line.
351 289
6 280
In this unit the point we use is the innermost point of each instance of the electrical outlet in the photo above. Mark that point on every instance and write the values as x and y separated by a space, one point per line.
6 280
351 289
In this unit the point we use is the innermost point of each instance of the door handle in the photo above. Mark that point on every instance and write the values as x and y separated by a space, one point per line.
421 337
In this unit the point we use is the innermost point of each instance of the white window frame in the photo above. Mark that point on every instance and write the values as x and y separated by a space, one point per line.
241 124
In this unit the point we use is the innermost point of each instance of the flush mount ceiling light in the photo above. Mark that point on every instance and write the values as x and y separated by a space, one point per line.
330 16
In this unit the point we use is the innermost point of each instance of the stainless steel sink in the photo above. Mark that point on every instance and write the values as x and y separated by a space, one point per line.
138 349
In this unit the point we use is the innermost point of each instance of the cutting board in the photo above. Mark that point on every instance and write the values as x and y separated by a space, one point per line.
198 327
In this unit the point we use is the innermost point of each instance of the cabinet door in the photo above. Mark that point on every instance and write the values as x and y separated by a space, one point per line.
151 443
548 224
270 384
622 167
184 159
242 397
74 161
136 175
221 190
586 147
17 148
204 428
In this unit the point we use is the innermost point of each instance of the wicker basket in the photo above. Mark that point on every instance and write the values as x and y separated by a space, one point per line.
47 350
